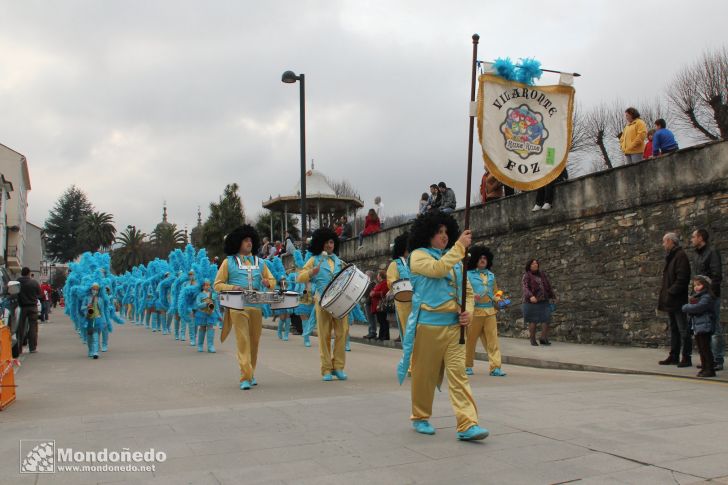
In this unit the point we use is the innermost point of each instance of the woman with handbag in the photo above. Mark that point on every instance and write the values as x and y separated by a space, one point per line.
378 297
538 296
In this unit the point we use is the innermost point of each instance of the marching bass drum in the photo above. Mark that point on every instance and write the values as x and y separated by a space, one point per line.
402 290
344 291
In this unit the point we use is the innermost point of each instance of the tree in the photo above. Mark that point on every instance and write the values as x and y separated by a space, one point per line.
262 225
97 231
343 188
58 278
166 238
698 96
131 252
225 215
62 226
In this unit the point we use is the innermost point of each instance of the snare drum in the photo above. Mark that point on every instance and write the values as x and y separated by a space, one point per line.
232 299
402 290
290 300
344 291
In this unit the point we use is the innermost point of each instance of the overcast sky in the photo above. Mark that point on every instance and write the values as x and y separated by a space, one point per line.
138 102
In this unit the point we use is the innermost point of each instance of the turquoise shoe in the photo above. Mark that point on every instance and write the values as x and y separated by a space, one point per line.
306 342
473 433
254 382
327 377
348 347
423 427
497 372
244 386
341 375
469 371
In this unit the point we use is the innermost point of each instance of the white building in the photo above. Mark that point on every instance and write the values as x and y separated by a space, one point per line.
34 251
6 187
14 168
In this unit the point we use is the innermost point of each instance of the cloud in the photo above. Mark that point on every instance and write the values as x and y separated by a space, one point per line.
141 102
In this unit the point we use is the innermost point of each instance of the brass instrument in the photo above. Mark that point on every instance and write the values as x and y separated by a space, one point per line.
210 305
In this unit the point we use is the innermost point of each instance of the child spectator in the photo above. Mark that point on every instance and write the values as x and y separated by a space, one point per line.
701 312
663 141
648 146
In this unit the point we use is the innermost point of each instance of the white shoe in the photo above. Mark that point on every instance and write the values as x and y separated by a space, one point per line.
546 207
536 208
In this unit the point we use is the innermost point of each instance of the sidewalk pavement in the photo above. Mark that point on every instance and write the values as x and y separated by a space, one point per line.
564 355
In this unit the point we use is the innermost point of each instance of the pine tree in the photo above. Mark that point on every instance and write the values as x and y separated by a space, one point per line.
62 228
225 215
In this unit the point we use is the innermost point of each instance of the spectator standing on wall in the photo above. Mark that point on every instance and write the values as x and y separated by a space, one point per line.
634 134
673 295
708 263
545 195
448 198
424 201
648 147
664 140
537 297
435 200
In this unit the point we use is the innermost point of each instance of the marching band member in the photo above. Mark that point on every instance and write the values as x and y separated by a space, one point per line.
305 303
164 288
242 270
93 309
433 330
398 269
206 316
188 321
484 324
320 270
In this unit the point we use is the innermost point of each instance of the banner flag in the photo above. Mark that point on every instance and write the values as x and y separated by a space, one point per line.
525 131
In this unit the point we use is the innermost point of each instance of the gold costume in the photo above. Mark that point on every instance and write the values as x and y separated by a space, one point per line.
248 323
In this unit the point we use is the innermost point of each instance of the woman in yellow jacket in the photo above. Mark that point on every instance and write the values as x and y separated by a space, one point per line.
633 137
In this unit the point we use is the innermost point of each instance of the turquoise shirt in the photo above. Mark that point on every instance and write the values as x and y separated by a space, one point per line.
325 274
482 282
239 276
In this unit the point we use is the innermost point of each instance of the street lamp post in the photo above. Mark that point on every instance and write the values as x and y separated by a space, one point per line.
289 77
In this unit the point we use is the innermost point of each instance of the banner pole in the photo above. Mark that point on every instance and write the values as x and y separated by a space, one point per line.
473 66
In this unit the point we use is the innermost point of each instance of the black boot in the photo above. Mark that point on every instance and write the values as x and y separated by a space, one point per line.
669 361
685 362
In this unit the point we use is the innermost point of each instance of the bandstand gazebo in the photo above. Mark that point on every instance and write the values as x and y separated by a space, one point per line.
322 203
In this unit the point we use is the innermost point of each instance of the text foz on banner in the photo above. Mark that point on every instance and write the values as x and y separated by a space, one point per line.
525 131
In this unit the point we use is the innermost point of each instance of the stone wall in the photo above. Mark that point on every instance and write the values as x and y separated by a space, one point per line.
600 244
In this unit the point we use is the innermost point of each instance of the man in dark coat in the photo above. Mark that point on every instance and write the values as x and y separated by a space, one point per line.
708 263
673 295
28 301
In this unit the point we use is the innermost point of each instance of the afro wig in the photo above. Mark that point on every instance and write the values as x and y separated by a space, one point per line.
235 239
319 238
427 225
400 245
476 252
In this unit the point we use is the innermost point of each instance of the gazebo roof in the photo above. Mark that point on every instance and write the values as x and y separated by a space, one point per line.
319 195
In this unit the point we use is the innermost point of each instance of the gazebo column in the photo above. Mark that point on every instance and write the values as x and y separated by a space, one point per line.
285 219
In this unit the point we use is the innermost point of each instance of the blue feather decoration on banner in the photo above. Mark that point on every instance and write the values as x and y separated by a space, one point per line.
528 70
505 68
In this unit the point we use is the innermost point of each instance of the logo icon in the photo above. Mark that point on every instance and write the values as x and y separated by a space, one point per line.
37 456
523 131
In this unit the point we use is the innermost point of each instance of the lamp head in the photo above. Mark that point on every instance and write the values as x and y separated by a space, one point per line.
289 77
